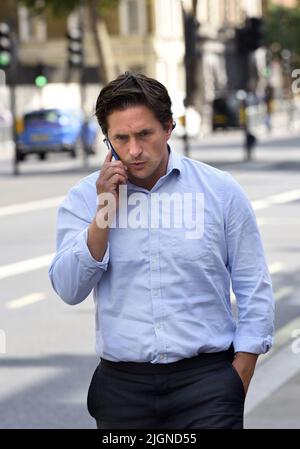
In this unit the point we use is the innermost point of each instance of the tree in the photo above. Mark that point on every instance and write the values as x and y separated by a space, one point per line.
95 10
283 30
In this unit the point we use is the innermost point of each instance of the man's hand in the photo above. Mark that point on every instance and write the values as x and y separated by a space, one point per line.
113 173
244 363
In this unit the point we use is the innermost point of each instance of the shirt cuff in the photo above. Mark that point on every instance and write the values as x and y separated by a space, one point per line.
81 250
255 345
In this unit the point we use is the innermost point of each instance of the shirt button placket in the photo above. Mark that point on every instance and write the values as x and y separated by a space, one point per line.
155 289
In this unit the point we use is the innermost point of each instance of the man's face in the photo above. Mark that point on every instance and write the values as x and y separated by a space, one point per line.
141 143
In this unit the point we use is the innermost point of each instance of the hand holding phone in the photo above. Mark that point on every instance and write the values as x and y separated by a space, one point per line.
111 148
112 173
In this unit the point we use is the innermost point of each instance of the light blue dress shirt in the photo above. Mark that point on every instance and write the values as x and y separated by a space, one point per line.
160 297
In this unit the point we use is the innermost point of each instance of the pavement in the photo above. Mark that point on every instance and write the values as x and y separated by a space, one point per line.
48 362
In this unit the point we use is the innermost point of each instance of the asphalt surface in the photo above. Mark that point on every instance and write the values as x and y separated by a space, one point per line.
47 348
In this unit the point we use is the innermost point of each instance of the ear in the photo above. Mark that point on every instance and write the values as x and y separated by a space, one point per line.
171 126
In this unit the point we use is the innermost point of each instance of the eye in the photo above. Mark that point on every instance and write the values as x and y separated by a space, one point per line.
144 133
121 138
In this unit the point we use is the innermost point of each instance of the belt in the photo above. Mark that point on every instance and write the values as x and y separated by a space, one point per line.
199 360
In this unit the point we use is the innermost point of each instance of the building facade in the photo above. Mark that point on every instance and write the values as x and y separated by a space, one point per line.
138 35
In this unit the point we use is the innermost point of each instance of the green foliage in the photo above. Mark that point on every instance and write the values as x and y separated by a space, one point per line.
283 28
64 7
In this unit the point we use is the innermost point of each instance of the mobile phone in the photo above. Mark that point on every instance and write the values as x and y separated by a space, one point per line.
111 148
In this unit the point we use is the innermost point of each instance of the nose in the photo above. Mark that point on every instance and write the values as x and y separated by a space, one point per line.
134 148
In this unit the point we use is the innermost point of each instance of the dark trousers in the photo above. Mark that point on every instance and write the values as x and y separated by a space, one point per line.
203 392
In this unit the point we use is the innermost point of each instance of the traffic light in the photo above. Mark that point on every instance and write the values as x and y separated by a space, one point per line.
41 76
192 53
191 28
75 47
251 36
256 33
5 45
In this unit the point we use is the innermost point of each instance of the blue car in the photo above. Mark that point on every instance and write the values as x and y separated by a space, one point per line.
55 130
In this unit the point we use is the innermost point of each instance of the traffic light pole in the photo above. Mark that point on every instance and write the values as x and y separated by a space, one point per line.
14 130
191 39
82 100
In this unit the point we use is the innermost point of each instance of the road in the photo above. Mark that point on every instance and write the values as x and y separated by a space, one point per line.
47 348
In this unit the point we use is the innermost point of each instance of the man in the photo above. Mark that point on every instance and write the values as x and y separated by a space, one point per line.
171 353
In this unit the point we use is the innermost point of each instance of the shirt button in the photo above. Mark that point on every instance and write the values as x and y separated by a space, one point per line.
155 292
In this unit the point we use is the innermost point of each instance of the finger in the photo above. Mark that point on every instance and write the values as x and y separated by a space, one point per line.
110 171
108 156
118 179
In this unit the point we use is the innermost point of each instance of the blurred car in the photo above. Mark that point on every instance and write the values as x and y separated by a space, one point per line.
55 130
226 112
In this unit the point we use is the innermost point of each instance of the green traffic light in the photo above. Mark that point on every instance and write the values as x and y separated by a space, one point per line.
40 81
4 59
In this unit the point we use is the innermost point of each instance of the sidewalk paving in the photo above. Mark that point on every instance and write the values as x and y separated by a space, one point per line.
281 408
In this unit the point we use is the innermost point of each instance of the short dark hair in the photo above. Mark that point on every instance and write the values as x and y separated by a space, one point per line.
129 90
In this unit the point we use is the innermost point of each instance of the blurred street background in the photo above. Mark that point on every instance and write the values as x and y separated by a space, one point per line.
232 68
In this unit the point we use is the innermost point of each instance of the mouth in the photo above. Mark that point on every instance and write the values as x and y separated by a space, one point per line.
138 165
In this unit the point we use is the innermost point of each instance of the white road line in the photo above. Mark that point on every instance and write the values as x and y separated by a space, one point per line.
276 267
25 266
268 377
279 198
278 221
30 206
26 300
282 293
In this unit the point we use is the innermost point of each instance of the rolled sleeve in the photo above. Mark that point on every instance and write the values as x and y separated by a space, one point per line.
82 252
255 345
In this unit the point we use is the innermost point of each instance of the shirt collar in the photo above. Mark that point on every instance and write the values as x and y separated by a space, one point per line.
174 162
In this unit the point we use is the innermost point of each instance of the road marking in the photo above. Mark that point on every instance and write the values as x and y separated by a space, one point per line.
276 267
268 377
278 221
279 198
30 206
25 266
26 300
282 293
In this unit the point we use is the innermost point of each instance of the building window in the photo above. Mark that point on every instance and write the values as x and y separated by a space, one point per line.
31 28
133 17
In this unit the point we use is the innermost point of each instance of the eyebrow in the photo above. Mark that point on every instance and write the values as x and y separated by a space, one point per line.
137 133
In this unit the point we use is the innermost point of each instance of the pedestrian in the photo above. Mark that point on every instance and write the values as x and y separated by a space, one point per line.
172 353
269 99
250 141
